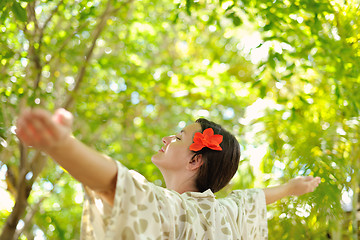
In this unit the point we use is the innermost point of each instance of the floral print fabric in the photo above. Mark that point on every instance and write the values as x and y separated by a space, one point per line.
143 210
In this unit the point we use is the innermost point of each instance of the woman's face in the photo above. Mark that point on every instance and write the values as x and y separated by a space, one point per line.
175 154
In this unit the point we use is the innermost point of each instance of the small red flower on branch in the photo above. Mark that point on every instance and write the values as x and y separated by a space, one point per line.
206 139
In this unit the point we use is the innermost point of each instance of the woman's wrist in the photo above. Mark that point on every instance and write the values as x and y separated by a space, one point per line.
288 189
273 194
62 146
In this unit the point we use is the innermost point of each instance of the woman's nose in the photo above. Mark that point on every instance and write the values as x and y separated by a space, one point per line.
166 140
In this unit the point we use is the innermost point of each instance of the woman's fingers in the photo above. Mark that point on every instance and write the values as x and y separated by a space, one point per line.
23 133
64 117
42 130
34 128
308 178
313 183
51 127
23 125
302 185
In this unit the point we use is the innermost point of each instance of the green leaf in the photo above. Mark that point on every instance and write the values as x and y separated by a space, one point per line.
176 18
185 68
229 7
268 27
3 4
262 91
4 14
237 21
272 62
188 6
20 12
287 76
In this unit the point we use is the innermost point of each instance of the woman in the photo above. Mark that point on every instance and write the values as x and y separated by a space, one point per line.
121 204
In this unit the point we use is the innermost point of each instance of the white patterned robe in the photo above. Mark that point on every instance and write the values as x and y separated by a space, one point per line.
143 210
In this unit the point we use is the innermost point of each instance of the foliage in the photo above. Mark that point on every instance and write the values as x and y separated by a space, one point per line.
312 72
134 71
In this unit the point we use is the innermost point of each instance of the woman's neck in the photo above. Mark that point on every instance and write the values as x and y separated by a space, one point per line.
180 182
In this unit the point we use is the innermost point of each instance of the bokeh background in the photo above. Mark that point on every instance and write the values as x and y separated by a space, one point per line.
283 76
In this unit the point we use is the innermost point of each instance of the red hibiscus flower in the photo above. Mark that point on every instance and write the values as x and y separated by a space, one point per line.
206 139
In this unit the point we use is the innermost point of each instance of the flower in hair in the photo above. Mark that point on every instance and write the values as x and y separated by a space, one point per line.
206 139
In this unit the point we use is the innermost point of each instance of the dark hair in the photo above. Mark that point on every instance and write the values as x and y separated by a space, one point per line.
219 166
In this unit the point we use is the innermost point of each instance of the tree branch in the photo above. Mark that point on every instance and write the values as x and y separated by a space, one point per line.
34 52
67 40
355 153
51 16
34 209
11 181
30 37
23 191
88 55
37 164
32 15
19 208
24 186
23 156
47 21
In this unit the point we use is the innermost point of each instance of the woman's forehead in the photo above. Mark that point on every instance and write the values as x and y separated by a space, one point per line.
191 129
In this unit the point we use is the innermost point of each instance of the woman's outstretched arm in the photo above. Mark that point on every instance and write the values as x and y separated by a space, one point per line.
52 135
295 187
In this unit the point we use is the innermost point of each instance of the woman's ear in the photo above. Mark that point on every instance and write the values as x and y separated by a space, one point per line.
195 162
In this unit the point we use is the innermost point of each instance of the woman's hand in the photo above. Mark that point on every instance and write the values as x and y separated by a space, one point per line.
43 131
295 187
301 185
52 134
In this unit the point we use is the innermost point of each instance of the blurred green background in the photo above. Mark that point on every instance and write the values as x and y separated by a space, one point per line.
283 76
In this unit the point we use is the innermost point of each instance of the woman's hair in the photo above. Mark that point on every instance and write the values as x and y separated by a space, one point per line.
219 166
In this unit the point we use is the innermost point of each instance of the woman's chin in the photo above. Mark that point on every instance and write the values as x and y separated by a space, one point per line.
158 161
155 158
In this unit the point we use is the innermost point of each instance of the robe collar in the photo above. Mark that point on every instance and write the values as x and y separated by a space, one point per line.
206 194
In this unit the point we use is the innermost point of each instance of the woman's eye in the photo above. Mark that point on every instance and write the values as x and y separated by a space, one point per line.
177 138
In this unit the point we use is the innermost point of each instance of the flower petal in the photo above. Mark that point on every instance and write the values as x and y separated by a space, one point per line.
206 139
196 147
217 148
217 139
208 132
198 136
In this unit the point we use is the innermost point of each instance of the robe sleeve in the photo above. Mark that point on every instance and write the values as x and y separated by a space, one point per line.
135 212
95 217
251 216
